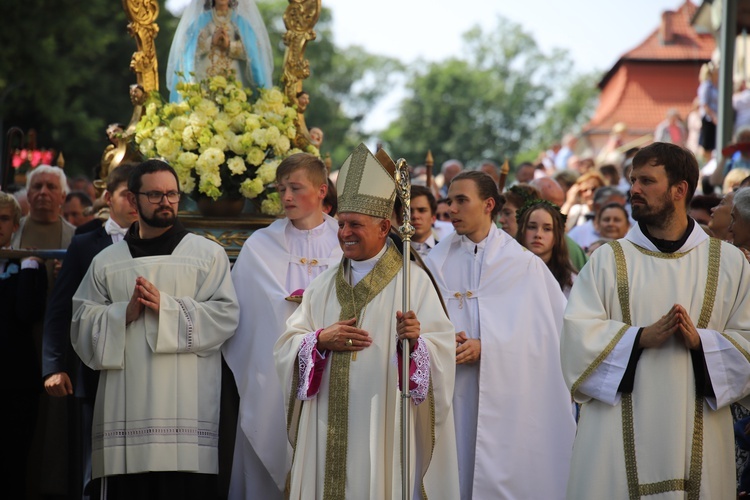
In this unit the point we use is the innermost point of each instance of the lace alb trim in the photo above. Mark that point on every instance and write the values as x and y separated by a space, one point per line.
420 359
189 323
306 365
421 376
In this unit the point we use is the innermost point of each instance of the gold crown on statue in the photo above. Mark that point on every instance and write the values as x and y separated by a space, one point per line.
365 185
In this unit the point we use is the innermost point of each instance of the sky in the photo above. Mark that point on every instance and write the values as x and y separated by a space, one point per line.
594 32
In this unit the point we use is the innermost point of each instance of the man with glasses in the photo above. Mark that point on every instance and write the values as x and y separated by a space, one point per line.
151 315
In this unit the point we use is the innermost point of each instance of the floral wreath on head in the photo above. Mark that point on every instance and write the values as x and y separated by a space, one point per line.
520 191
536 202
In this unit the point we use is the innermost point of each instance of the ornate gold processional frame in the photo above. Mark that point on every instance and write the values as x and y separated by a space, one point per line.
300 18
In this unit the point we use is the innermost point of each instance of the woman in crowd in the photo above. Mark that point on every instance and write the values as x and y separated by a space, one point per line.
612 221
580 198
541 229
721 217
515 197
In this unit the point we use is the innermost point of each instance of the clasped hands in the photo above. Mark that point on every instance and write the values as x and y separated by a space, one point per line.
676 321
144 295
220 39
345 336
467 350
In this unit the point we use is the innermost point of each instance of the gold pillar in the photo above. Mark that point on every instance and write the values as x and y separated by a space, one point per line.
300 18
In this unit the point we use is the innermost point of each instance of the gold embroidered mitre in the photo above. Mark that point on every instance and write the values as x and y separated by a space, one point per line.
365 186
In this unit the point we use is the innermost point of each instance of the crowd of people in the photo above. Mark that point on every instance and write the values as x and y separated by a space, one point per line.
570 335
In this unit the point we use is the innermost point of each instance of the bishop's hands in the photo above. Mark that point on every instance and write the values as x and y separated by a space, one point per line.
145 295
407 327
467 350
676 322
343 336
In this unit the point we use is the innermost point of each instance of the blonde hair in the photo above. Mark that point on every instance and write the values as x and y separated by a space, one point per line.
706 71
733 178
7 199
592 175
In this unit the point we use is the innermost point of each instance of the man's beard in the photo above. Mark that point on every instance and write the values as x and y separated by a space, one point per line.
654 216
157 220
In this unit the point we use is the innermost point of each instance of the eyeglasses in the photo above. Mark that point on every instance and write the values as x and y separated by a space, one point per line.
156 196
443 216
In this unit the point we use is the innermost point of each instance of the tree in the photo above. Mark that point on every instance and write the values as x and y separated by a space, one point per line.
344 83
64 71
489 103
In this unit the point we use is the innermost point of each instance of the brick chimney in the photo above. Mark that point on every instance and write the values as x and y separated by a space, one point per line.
666 28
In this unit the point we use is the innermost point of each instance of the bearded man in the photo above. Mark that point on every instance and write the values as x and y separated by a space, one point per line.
656 346
151 315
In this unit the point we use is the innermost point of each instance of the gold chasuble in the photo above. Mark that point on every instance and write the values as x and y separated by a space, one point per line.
353 301
344 407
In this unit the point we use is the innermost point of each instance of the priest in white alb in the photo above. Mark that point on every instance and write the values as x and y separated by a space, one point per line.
656 346
274 267
338 361
151 315
514 418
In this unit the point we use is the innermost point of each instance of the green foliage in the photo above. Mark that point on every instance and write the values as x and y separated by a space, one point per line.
344 84
64 71
490 103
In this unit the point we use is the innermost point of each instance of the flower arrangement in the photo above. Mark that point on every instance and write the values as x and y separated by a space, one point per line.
221 143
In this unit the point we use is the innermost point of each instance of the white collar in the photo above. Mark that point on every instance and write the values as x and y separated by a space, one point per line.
636 236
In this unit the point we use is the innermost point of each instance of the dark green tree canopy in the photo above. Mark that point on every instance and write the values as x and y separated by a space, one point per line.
494 102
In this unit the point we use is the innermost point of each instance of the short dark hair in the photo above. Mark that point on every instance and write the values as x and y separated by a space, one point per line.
609 206
120 175
148 167
518 194
425 191
605 192
704 202
416 191
485 186
679 163
82 197
314 167
331 199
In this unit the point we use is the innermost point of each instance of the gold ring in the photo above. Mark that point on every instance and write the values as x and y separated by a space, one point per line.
349 342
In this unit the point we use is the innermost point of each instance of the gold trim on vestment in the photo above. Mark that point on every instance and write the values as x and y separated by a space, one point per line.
661 255
294 410
352 302
352 199
712 282
601 357
431 401
737 346
692 484
623 295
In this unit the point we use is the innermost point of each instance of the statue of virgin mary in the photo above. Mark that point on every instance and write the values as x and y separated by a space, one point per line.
218 37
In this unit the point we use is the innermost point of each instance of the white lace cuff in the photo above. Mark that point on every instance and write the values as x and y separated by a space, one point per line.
420 359
306 364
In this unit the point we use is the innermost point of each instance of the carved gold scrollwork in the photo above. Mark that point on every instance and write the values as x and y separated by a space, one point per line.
143 28
300 18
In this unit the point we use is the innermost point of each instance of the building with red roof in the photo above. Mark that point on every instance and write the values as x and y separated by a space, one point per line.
659 74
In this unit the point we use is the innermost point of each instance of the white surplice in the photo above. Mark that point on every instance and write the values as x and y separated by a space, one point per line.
660 440
157 405
514 424
373 463
274 262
